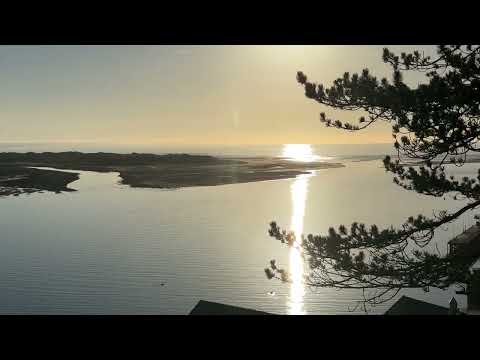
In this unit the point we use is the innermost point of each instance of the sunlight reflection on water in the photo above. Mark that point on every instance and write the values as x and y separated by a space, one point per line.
299 190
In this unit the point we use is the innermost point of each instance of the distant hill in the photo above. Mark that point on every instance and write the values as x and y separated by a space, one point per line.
101 158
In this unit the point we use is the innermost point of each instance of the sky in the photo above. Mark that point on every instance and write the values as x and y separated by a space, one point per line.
179 94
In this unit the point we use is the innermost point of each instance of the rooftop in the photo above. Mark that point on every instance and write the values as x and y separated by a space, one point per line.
409 306
467 236
475 266
213 308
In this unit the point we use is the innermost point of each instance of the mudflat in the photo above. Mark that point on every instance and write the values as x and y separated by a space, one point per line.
145 170
16 180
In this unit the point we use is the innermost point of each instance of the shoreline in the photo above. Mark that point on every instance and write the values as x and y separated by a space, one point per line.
16 180
18 173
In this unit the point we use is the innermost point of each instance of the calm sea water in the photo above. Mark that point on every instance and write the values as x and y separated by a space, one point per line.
111 249
331 151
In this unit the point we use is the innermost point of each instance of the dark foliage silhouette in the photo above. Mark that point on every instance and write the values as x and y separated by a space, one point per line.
434 124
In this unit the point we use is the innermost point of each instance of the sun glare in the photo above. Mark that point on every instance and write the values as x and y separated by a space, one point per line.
299 152
299 190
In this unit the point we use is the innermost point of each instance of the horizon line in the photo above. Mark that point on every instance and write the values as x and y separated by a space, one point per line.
103 142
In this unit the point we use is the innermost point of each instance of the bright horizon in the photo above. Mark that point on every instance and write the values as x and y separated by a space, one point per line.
179 95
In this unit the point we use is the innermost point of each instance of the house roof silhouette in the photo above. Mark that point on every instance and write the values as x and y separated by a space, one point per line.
213 308
409 306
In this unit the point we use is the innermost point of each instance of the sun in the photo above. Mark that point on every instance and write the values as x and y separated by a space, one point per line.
299 152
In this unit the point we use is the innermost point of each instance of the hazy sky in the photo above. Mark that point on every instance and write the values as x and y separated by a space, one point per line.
178 94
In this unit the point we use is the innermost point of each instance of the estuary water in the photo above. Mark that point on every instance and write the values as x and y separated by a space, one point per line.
111 249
